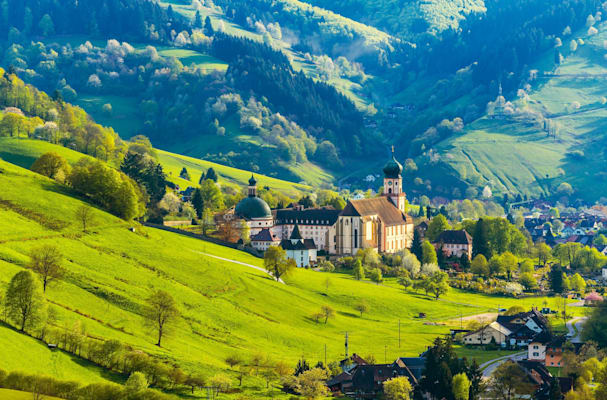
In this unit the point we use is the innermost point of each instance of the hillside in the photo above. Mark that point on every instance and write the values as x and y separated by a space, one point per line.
554 134
406 19
23 152
226 307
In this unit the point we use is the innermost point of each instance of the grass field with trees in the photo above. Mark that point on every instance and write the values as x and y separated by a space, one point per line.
224 307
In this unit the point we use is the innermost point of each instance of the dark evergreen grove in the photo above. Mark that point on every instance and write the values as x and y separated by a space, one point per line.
99 18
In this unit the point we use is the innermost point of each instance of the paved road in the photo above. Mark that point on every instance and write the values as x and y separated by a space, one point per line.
491 365
574 325
239 263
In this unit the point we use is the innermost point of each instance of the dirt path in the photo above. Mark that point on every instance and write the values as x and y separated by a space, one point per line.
239 263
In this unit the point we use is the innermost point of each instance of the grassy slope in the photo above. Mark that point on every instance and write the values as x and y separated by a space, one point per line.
226 307
513 156
24 152
7 394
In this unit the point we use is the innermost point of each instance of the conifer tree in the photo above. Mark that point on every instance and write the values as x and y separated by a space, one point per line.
198 203
212 175
208 27
555 390
416 245
358 270
556 279
197 20
480 240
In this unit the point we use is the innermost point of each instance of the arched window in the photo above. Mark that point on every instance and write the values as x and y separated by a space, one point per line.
390 190
355 237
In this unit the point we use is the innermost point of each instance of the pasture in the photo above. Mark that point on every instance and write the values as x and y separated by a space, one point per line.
225 307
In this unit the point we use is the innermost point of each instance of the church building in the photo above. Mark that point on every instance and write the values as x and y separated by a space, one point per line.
254 210
379 223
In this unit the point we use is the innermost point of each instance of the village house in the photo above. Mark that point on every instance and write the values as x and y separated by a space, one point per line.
454 243
524 327
365 381
492 333
264 239
510 330
554 352
536 350
541 379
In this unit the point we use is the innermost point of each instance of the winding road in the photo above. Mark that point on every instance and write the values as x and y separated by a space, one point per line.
490 366
574 328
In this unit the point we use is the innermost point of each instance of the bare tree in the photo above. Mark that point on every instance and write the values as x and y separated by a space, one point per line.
84 214
161 312
46 261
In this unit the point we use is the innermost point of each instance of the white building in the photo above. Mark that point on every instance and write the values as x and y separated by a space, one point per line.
303 251
317 224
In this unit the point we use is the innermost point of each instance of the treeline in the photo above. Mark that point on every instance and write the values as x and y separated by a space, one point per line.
31 113
133 19
231 48
42 385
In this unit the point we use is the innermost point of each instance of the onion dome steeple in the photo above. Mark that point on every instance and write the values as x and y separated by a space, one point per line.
252 187
393 169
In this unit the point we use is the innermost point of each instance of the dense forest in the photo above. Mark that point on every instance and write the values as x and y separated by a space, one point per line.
297 114
137 19
443 74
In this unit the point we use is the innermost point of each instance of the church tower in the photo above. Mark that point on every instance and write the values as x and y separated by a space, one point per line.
393 183
252 187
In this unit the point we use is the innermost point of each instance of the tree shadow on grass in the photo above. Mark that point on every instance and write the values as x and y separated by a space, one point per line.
104 373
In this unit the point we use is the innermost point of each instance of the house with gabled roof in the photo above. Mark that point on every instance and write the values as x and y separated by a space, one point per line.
365 381
264 239
302 251
454 243
492 333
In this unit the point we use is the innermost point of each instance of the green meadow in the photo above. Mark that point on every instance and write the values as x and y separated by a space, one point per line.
225 307
8 394
514 156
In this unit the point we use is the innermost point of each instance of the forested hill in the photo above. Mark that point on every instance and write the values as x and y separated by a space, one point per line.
137 19
295 89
